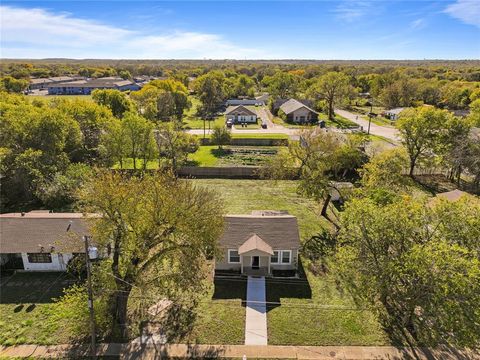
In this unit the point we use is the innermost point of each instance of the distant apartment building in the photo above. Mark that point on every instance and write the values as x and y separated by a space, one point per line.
86 86
42 83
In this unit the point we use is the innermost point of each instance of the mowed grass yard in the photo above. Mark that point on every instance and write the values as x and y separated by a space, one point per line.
26 307
316 312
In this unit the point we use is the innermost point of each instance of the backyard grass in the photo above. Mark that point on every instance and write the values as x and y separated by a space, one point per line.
243 196
211 155
318 313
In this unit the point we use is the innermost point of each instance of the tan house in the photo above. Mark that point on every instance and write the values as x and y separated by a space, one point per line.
259 243
240 114
297 112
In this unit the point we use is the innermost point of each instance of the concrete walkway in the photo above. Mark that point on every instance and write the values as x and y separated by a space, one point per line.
154 351
256 317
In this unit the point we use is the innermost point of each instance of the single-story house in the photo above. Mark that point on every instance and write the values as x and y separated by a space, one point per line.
246 102
86 86
240 114
297 112
40 240
259 243
393 114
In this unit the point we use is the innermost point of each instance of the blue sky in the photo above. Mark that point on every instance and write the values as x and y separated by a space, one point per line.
241 29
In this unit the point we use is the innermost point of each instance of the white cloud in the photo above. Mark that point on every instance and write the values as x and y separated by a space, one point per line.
352 10
37 33
418 24
467 11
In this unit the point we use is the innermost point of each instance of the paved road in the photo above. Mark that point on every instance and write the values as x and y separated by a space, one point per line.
256 314
385 131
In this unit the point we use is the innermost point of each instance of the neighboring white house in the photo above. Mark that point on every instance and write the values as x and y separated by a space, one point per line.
40 240
240 114
260 243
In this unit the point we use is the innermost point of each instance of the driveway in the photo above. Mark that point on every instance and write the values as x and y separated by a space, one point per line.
385 131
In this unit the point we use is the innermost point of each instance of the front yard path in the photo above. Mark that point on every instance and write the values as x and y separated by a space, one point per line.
256 318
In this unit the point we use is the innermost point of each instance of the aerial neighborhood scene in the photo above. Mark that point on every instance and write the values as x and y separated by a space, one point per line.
240 180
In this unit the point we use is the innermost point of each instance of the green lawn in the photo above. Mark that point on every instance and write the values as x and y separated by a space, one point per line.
243 196
317 313
221 315
26 307
339 122
204 156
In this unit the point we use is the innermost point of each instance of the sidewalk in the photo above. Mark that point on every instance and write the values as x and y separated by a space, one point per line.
256 314
138 351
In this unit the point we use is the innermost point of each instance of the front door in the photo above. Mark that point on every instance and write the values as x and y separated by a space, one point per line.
255 262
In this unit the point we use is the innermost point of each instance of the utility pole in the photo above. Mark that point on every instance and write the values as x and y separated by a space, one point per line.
90 300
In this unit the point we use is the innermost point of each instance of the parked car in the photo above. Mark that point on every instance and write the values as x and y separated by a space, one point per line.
229 124
264 125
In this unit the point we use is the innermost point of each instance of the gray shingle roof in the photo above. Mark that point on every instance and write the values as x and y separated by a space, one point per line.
293 105
278 231
33 231
239 108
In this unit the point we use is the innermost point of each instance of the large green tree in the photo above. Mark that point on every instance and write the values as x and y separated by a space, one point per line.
160 230
334 88
416 266
420 130
115 100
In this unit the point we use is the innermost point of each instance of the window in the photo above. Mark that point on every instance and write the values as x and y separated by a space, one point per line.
233 257
286 255
275 257
281 257
39 257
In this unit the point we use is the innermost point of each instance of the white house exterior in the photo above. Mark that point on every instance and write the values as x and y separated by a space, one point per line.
40 240
240 114
259 244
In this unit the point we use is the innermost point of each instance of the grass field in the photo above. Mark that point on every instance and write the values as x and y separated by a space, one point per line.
26 307
221 315
318 313
251 136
